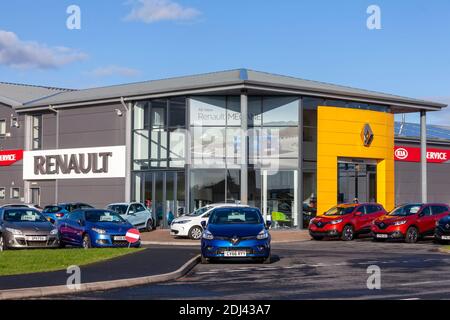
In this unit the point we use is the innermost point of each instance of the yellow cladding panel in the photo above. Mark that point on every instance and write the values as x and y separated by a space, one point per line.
339 136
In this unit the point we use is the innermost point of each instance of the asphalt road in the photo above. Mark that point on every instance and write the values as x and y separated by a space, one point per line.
311 270
151 261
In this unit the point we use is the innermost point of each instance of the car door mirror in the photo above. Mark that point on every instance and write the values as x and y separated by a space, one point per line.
131 213
80 222
268 224
204 224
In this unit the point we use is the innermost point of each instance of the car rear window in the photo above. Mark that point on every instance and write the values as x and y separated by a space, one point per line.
52 209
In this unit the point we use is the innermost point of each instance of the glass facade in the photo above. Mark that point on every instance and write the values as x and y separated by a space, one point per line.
174 172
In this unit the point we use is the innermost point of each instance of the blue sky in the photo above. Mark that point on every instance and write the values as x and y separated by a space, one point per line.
132 40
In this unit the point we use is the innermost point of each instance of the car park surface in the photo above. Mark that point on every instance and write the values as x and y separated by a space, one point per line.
346 221
409 222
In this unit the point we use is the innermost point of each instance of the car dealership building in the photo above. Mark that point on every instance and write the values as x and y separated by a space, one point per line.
275 142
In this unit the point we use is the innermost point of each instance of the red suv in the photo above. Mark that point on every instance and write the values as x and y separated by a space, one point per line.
346 221
409 222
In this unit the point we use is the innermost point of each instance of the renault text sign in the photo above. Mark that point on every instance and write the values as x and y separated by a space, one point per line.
88 163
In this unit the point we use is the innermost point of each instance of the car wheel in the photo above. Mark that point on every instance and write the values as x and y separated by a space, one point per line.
412 235
317 238
149 226
195 233
87 244
2 244
204 260
348 233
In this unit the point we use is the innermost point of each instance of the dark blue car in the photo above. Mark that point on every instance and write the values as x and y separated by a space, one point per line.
236 233
94 228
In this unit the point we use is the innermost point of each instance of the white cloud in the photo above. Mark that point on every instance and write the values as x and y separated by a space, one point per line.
150 11
17 53
440 117
113 70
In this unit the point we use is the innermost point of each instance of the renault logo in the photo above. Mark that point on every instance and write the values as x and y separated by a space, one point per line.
367 135
235 240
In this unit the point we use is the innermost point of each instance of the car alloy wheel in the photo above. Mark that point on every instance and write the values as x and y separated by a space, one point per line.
347 233
195 233
149 226
412 235
87 242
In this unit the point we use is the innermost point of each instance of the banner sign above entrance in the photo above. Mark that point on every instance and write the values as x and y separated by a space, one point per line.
409 154
88 163
9 157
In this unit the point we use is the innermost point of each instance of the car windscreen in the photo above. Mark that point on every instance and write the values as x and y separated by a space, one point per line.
236 216
99 216
52 209
405 211
339 211
21 215
119 208
200 211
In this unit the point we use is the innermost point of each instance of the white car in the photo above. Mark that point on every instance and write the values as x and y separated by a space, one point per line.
23 205
135 213
190 225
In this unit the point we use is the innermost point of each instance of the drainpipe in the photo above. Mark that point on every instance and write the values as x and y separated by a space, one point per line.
423 152
51 108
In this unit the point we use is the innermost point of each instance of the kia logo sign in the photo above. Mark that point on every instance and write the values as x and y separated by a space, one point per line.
101 162
401 153
409 154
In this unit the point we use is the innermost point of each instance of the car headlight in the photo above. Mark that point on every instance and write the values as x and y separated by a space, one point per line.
14 231
181 222
99 231
207 235
400 223
54 232
262 235
337 221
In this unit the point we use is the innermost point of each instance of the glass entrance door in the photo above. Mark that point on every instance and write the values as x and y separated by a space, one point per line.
163 193
357 180
279 198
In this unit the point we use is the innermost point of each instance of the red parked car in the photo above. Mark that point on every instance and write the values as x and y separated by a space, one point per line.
346 221
409 222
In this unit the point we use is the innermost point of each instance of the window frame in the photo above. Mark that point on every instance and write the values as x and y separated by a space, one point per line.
4 192
11 193
3 134
39 128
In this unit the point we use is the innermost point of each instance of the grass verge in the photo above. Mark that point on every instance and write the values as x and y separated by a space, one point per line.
14 262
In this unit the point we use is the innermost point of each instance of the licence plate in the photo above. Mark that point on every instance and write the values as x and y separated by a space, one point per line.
235 253
120 238
445 237
36 238
382 236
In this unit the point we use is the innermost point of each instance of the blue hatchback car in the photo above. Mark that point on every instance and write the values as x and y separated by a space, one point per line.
236 233
94 228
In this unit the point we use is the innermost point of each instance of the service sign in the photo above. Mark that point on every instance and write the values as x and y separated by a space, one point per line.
87 163
9 157
410 154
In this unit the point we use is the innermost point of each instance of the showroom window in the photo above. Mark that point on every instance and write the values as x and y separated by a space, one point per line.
2 127
36 132
215 129
15 193
158 136
273 131
2 193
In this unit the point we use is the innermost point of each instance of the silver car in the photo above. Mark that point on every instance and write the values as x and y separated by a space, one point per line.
135 213
22 228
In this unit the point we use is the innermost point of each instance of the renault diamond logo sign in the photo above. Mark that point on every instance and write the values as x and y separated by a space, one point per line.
367 135
235 240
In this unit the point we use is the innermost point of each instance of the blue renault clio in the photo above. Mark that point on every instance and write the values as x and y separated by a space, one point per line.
236 233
